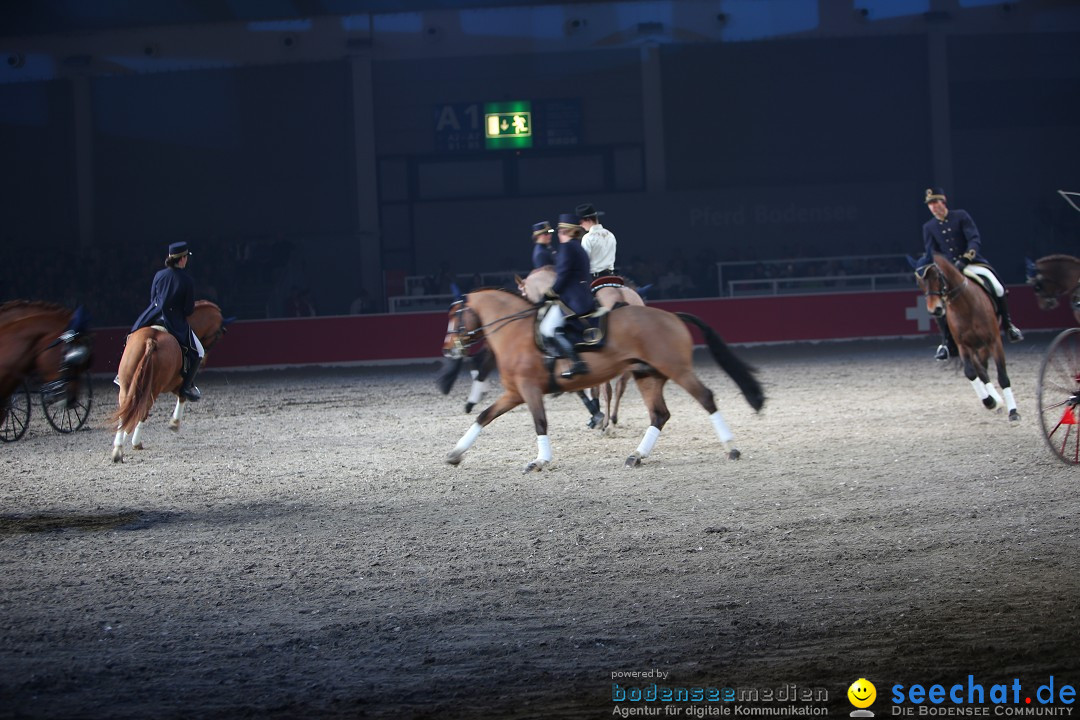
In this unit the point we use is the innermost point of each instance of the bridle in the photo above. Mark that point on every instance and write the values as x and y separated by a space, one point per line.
945 293
465 338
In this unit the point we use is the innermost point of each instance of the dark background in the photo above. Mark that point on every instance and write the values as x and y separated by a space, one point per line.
294 144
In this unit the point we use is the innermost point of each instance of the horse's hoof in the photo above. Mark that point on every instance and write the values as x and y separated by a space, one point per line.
137 447
117 455
1013 416
596 420
734 454
468 407
633 461
989 403
174 425
454 458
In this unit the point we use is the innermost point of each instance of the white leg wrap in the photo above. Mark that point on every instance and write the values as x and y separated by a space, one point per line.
543 448
477 391
1010 401
178 412
647 442
994 393
468 438
136 437
118 441
722 430
980 389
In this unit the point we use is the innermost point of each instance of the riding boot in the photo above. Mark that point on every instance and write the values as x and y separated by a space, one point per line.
188 389
947 348
566 350
1011 330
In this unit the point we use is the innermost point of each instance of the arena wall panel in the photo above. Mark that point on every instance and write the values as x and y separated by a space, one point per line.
353 339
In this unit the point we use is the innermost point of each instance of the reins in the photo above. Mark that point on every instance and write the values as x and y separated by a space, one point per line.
498 323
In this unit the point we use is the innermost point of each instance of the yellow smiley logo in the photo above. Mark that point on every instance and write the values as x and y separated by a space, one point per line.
862 693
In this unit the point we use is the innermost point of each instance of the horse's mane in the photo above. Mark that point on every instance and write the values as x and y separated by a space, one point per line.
31 305
1060 257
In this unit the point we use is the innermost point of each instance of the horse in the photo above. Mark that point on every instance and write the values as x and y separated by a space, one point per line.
151 365
1052 276
656 343
974 326
607 294
45 341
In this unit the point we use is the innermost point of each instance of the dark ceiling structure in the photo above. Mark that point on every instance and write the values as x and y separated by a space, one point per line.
20 18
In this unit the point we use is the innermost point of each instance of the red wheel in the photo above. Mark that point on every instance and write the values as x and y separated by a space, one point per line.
1059 396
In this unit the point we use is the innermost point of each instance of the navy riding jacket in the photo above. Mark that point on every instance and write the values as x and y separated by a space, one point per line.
172 299
953 237
572 277
543 255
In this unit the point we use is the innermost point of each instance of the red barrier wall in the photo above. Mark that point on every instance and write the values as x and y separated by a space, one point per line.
374 338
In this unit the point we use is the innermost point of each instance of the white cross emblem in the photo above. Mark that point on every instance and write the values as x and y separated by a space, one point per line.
919 314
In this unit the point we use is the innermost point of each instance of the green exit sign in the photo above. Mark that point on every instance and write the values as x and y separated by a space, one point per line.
508 125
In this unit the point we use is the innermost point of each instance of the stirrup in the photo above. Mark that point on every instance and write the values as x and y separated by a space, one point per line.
577 368
942 352
1014 333
191 394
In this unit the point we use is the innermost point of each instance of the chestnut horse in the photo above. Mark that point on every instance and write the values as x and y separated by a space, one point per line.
974 326
635 336
151 365
1053 276
47 342
607 294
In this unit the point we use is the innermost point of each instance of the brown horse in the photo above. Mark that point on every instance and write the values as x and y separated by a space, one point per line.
636 337
607 295
43 341
1053 276
974 326
151 365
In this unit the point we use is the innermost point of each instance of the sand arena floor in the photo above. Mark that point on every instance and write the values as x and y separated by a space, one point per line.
300 549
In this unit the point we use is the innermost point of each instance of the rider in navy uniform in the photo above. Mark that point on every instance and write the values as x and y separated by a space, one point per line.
570 291
172 299
953 234
543 254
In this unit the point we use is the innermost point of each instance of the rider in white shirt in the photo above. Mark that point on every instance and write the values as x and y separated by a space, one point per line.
598 242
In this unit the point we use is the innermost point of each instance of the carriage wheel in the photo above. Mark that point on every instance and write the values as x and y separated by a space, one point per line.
65 415
1059 396
17 417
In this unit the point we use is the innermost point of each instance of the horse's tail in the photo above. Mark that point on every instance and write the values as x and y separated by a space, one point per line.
140 396
740 372
448 375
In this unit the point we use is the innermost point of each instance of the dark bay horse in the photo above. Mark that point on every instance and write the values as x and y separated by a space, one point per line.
635 336
973 324
45 341
151 365
607 295
1053 276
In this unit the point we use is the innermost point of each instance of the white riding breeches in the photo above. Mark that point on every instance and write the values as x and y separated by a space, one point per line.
553 320
197 344
983 274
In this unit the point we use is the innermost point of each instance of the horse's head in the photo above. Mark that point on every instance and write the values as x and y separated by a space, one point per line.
539 281
935 285
462 329
1052 276
207 323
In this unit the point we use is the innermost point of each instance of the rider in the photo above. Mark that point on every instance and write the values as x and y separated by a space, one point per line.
953 234
172 299
598 242
543 254
570 291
